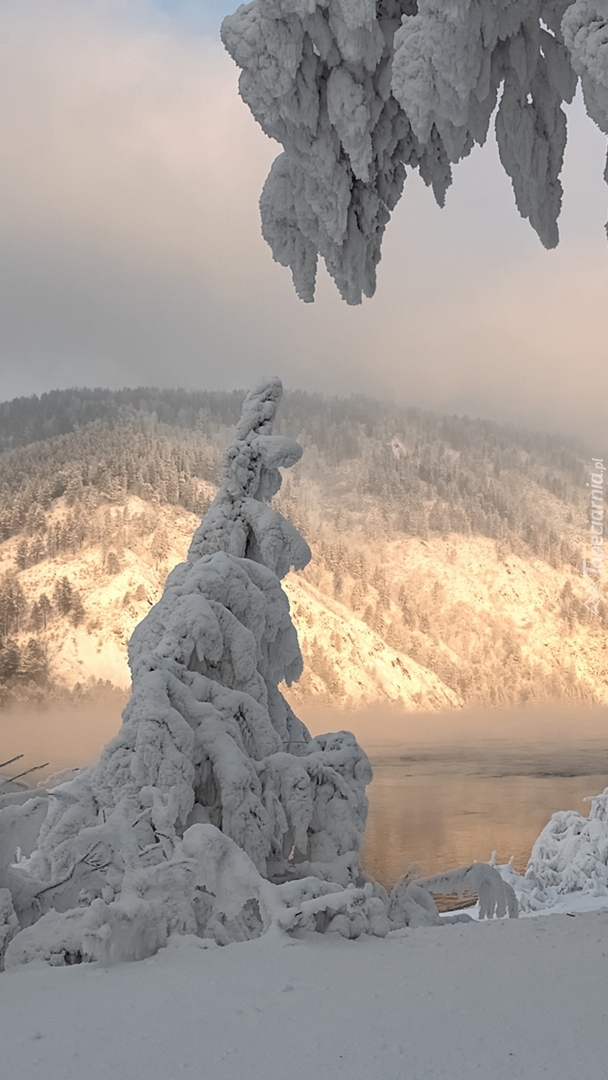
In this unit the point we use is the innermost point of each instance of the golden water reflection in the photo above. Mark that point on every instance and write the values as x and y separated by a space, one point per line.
448 787
454 786
441 820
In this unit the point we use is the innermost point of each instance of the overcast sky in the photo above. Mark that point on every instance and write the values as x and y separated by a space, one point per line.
130 247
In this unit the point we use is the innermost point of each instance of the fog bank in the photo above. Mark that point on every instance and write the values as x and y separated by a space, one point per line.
68 735
64 735
381 727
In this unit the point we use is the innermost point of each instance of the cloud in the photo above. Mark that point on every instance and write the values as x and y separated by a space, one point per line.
130 249
130 176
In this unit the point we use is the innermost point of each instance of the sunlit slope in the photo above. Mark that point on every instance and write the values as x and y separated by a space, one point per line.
429 623
346 661
493 626
116 589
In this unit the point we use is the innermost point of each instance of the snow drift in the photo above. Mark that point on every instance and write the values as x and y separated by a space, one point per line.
356 91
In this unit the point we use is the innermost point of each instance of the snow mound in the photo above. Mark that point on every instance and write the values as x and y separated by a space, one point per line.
356 90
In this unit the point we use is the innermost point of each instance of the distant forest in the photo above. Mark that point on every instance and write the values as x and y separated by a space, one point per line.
421 473
380 467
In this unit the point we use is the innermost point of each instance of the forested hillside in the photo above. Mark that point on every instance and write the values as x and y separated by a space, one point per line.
454 543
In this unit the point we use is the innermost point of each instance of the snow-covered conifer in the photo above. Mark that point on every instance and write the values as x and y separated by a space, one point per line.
207 737
213 811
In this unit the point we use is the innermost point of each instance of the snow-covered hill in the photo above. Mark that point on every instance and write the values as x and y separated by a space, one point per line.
347 662
494 626
114 598
436 623
447 552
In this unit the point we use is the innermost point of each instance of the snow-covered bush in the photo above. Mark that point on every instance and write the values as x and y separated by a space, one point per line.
357 90
209 887
570 855
411 901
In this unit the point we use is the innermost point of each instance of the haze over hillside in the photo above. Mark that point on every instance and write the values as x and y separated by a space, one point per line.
447 552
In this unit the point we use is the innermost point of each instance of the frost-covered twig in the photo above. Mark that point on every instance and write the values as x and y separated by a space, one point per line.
26 772
10 761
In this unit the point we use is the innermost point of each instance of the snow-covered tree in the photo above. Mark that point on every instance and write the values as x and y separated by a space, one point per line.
357 90
207 737
213 811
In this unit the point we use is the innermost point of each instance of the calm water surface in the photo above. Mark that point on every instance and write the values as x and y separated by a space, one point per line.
443 806
448 787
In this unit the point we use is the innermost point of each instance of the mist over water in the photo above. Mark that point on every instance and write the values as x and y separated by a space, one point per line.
64 735
448 787
379 727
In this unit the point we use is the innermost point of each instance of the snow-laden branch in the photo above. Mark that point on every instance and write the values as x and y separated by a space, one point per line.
496 897
357 90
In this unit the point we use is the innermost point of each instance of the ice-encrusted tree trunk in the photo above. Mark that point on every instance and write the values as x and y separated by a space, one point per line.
357 90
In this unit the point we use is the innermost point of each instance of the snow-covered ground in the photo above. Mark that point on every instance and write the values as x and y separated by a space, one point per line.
497 1000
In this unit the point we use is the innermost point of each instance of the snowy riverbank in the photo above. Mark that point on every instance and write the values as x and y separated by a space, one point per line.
497 1000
